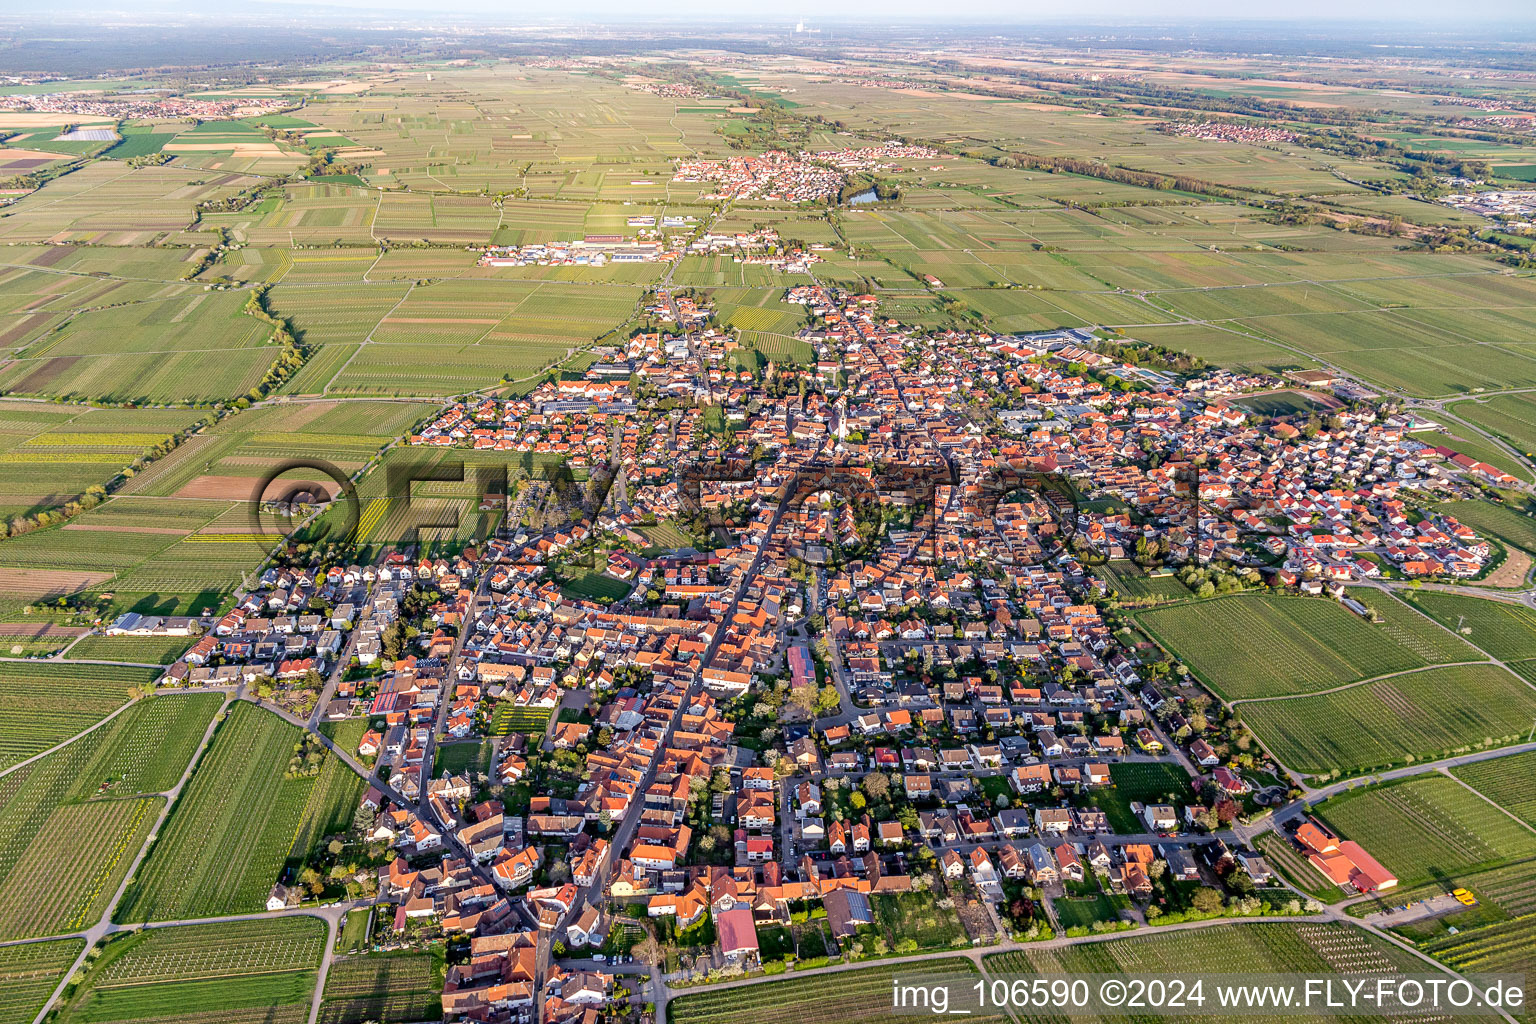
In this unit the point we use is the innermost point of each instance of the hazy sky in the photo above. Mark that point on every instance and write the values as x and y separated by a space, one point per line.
1520 13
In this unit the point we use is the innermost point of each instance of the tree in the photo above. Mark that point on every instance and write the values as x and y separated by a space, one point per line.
857 801
648 950
828 700
803 699
1207 900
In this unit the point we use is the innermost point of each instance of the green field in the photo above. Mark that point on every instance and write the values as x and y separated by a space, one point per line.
1420 716
42 703
1512 417
456 758
1428 829
243 971
1237 948
594 586
390 988
1142 782
1503 629
916 916
861 996
1505 781
1500 522
29 974
82 814
209 860
147 649
1267 646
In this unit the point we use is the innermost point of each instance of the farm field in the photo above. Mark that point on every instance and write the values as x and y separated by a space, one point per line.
208 860
1263 646
183 556
1512 417
1238 948
1428 828
863 997
242 972
29 974
44 703
1420 716
196 347
144 649
916 916
390 988
1458 438
1505 781
1187 205
1503 629
51 454
1137 589
78 813
444 337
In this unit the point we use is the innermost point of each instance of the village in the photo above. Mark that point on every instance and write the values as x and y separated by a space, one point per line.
728 721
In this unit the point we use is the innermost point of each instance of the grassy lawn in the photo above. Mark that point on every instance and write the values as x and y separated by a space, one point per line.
354 931
916 916
457 758
1144 782
594 586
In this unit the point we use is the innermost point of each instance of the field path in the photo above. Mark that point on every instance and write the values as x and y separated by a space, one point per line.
64 743
105 927
342 369
1359 682
332 924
